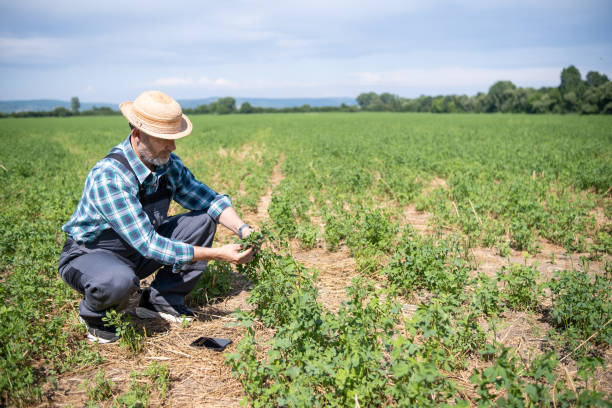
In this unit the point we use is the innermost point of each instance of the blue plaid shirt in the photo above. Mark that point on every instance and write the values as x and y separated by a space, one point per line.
110 200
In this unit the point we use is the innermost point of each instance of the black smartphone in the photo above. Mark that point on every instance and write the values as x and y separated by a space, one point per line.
212 343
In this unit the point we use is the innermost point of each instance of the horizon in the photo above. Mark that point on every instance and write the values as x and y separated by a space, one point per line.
293 50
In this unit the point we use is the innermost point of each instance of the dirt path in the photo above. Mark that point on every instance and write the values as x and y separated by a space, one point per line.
336 269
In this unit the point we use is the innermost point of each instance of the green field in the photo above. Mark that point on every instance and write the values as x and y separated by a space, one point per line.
457 229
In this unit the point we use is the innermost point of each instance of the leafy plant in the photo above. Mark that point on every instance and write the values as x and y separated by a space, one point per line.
428 263
581 304
137 396
130 337
215 283
158 374
520 291
100 389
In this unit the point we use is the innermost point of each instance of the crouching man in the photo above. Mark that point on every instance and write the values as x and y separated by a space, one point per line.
120 231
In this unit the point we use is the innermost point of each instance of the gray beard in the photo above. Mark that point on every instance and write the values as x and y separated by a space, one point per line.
148 158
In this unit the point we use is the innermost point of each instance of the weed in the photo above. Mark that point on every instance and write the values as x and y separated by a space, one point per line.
581 304
158 374
214 284
101 389
137 396
130 337
520 291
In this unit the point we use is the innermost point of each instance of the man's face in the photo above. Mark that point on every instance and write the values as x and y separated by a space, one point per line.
153 150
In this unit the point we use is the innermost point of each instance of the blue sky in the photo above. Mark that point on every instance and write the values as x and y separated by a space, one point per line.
110 51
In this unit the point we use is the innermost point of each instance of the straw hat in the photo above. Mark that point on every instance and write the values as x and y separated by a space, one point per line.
158 115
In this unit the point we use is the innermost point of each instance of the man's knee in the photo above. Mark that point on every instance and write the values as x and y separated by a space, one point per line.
109 289
194 227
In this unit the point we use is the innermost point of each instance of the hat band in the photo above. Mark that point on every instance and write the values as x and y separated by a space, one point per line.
160 126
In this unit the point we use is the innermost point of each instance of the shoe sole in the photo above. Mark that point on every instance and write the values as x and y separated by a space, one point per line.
100 340
144 313
92 338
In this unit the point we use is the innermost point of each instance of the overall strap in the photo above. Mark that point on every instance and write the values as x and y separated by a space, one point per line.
123 160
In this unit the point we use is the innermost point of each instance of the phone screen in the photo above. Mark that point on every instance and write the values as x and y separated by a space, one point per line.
213 343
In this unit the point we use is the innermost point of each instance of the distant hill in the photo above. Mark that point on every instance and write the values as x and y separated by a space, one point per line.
47 105
50 104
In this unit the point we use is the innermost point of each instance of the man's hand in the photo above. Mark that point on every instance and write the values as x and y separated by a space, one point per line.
233 253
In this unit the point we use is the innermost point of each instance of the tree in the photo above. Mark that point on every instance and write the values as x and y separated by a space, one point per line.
594 78
223 106
571 81
61 112
391 102
246 108
365 100
498 95
76 105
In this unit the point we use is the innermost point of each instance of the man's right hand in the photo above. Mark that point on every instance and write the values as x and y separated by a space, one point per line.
231 253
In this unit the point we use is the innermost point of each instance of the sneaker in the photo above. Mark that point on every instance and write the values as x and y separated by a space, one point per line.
170 313
98 332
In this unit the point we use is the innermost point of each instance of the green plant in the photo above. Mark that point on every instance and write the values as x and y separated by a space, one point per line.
522 236
158 374
137 396
520 291
214 284
486 297
100 389
510 382
428 263
581 304
307 234
131 338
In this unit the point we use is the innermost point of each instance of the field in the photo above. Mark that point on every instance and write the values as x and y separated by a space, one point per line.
408 260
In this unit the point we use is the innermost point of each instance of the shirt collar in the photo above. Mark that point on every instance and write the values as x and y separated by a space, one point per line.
142 171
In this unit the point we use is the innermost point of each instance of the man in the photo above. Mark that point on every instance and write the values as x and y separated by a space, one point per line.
120 232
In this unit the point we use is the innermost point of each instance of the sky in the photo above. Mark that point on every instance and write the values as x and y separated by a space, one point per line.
111 51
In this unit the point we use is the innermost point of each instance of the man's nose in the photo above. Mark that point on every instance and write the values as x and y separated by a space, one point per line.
171 145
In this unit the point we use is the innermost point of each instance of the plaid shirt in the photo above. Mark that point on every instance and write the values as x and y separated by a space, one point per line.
110 200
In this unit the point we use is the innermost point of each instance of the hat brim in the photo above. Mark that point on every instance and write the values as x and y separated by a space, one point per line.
183 129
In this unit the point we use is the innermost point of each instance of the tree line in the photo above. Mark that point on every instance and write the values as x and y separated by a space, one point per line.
590 96
227 105
593 95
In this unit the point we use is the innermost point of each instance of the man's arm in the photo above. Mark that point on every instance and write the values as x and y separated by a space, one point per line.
230 219
232 252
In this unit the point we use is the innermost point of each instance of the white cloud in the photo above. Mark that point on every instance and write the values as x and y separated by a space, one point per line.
224 83
24 49
172 81
203 82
